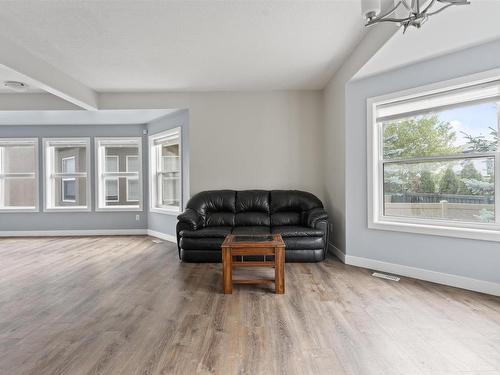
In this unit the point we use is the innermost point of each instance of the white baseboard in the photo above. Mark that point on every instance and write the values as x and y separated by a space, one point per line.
162 236
59 233
336 251
426 275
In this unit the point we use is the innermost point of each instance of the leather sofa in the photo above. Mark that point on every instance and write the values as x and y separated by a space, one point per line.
211 215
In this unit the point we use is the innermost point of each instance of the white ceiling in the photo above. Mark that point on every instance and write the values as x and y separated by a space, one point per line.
455 28
82 117
188 45
7 74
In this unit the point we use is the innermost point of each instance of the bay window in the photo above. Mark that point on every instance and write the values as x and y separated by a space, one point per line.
67 184
19 174
434 161
166 171
119 174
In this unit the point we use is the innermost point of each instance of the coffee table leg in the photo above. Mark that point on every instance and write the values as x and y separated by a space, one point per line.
279 270
227 270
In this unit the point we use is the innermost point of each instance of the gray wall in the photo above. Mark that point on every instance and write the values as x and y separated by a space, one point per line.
74 220
165 223
246 140
334 131
469 258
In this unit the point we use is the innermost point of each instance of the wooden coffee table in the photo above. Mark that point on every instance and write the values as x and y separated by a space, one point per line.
261 245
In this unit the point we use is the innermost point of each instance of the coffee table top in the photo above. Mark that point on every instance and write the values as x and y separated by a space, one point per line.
257 240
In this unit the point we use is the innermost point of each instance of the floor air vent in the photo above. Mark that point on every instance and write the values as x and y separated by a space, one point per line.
157 241
384 276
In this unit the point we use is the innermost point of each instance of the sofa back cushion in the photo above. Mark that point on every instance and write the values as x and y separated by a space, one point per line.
289 206
217 207
252 208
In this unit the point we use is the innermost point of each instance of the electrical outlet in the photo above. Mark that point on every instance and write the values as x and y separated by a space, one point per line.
137 217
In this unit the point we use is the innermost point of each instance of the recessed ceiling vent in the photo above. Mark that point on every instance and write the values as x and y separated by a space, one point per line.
16 85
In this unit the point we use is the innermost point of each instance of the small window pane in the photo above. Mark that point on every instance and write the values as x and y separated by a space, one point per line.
111 164
460 130
461 190
19 192
19 159
171 191
69 165
111 186
170 157
132 190
132 164
70 191
70 159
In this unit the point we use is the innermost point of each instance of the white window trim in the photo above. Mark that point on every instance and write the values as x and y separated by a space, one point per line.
153 186
129 178
47 173
33 141
134 208
376 220
67 179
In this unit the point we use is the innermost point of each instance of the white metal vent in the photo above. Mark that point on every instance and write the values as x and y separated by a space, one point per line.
384 276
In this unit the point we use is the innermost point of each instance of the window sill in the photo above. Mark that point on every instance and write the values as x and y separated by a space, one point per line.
119 209
68 209
165 211
18 210
437 230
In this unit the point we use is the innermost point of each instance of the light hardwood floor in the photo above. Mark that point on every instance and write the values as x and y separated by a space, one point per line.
125 305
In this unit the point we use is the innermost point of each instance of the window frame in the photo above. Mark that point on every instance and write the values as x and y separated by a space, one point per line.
14 141
375 162
48 175
101 189
153 172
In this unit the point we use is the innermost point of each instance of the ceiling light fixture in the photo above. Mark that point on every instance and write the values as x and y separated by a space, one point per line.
16 85
405 12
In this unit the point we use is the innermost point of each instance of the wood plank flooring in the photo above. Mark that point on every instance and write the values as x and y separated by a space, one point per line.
125 305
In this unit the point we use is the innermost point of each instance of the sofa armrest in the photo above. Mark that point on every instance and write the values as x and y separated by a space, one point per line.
314 216
191 218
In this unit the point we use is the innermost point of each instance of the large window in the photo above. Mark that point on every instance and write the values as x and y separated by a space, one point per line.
18 175
434 158
119 174
166 171
67 185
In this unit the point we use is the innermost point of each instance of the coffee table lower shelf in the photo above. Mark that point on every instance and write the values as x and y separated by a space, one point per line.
251 247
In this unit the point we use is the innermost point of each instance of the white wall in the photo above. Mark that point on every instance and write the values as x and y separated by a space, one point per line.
335 129
246 140
431 256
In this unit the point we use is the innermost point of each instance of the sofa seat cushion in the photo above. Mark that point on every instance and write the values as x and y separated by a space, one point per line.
296 231
304 243
210 244
208 232
257 229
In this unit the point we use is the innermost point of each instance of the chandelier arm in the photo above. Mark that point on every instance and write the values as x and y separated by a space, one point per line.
455 2
398 20
428 6
406 5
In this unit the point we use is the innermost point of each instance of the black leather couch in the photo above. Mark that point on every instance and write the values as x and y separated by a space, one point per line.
211 215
